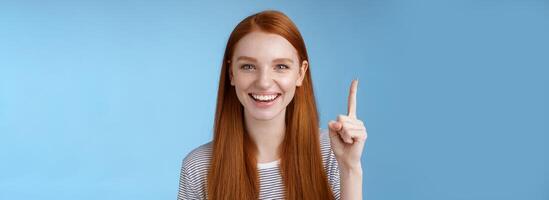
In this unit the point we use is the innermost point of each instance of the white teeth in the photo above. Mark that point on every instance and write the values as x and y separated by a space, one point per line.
264 97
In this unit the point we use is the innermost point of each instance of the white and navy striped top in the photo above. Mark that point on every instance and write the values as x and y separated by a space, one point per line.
192 183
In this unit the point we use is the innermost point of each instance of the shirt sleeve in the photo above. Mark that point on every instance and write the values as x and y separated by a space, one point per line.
334 175
332 166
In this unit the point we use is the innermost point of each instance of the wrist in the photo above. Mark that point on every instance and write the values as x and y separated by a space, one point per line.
351 169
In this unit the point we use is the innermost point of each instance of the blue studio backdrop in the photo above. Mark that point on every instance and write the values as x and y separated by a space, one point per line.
103 99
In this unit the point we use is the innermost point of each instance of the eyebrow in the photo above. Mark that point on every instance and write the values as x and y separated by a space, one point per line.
255 60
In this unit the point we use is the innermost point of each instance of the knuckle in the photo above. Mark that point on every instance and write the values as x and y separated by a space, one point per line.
347 128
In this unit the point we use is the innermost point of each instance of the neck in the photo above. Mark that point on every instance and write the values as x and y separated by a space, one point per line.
267 135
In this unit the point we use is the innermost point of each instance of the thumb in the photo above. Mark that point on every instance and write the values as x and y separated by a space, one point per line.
334 127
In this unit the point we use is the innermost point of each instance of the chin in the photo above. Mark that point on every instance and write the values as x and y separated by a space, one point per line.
264 116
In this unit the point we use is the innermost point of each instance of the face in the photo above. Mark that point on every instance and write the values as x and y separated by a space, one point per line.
265 72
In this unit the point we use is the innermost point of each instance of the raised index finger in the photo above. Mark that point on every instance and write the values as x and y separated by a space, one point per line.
351 107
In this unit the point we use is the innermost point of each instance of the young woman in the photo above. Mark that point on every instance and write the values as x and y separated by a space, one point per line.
267 143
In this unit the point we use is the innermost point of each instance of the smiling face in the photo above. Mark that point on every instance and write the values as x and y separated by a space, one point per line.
265 71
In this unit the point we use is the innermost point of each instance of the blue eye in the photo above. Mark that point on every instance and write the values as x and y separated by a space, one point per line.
281 66
247 67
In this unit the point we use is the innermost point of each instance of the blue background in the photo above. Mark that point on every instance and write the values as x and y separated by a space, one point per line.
102 99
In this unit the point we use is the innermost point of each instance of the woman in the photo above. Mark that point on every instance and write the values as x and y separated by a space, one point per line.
267 143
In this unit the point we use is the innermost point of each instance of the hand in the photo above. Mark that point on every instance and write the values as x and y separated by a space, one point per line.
348 134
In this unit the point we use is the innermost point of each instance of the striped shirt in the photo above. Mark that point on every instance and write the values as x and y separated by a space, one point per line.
192 183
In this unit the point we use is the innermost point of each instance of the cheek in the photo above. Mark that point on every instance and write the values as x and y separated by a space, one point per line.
241 82
287 83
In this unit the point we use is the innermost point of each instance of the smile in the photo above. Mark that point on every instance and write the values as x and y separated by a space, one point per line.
264 97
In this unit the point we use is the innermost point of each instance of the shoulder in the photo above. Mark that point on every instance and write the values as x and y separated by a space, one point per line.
196 163
328 157
198 158
192 183
324 137
325 146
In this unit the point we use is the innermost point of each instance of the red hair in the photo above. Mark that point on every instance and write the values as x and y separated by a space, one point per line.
233 168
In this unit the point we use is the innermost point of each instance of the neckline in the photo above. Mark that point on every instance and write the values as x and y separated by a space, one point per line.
268 164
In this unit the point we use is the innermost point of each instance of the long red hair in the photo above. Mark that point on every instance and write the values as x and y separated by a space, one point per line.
233 168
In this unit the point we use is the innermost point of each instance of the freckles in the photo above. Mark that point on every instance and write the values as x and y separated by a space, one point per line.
287 83
287 78
242 79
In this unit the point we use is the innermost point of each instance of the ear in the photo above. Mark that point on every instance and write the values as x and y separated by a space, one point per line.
302 72
230 72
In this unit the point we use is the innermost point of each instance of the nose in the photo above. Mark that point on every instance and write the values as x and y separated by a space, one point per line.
264 79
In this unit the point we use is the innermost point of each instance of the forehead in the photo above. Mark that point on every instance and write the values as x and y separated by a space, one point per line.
264 47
